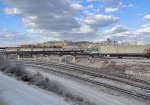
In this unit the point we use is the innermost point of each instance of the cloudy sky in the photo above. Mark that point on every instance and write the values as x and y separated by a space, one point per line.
31 21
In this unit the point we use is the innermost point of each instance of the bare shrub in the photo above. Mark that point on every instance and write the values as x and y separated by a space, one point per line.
86 102
42 83
26 78
17 70
56 87
3 65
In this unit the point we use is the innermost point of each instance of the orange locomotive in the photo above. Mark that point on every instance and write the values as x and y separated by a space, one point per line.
147 51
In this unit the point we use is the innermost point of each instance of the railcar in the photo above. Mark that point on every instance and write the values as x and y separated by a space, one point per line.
147 51
39 46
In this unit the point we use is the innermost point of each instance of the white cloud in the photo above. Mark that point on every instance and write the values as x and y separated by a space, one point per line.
12 11
116 29
12 38
122 5
92 0
68 19
145 25
89 6
89 0
111 9
93 22
115 5
76 6
144 30
126 6
100 20
50 16
30 22
83 29
120 32
59 18
146 17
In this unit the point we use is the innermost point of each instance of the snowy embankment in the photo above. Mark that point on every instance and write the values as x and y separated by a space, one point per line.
17 93
98 97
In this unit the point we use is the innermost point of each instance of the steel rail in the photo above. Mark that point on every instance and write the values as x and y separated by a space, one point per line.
140 95
94 74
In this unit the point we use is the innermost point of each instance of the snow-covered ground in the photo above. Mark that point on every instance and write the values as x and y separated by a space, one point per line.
18 93
95 96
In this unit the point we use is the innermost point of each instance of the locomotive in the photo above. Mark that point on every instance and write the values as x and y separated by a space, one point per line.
147 51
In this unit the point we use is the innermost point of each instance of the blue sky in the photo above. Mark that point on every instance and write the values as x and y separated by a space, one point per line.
32 21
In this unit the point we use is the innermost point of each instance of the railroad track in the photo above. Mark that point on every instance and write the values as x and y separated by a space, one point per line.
94 74
111 74
129 92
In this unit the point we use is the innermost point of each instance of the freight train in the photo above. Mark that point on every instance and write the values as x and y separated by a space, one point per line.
39 46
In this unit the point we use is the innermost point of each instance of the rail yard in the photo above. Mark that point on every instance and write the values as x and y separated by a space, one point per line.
74 52
130 81
117 74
